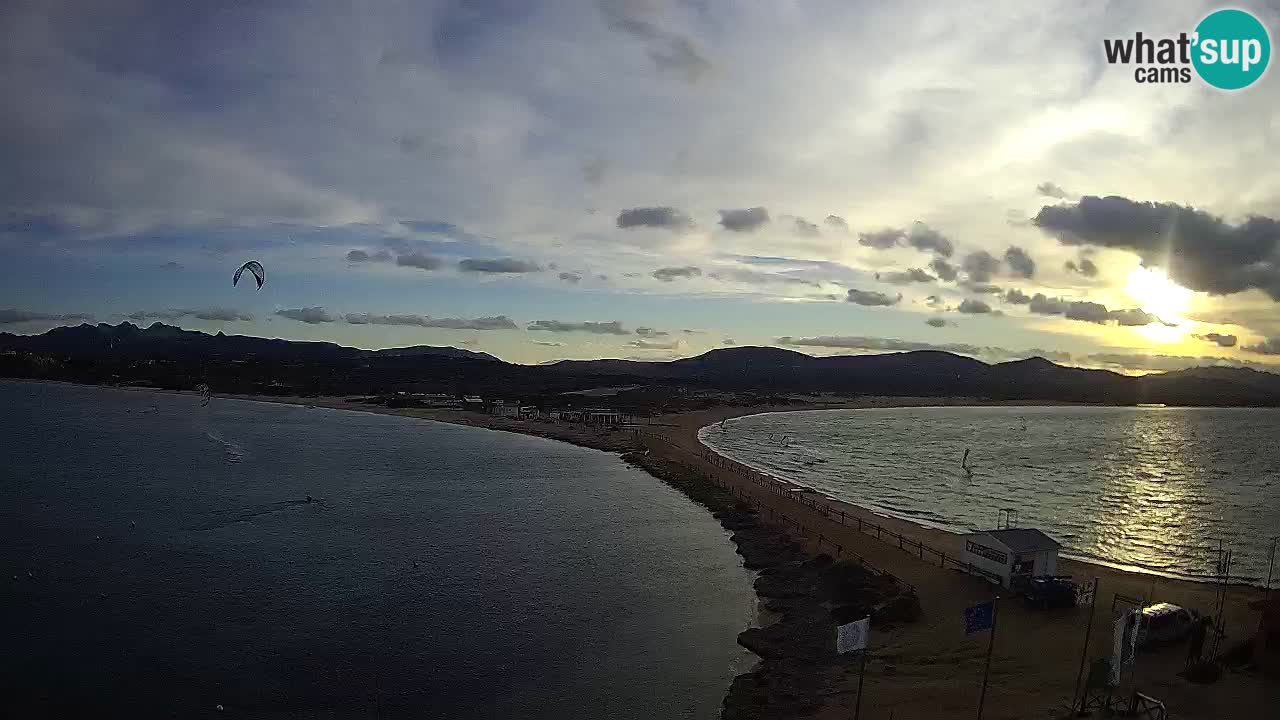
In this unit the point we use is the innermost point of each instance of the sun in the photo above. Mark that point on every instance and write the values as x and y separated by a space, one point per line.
1157 294
1162 297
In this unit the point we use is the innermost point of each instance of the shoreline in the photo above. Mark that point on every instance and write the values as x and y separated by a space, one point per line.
911 665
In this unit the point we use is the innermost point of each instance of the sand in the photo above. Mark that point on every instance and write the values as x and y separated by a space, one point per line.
931 669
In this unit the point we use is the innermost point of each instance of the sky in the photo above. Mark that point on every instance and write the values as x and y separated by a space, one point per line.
640 179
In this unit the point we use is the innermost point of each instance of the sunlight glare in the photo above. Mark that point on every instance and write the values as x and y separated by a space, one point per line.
1157 294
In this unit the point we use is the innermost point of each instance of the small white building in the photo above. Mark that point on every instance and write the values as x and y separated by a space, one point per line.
1012 552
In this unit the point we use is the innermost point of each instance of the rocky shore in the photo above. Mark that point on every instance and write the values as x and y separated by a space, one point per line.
808 594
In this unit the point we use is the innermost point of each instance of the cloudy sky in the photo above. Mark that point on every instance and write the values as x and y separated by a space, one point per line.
639 178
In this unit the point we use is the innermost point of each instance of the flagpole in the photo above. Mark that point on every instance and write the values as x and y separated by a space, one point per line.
857 708
995 614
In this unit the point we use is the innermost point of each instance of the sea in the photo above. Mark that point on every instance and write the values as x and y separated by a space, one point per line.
1159 489
251 559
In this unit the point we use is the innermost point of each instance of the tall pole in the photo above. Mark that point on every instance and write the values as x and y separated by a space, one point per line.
862 673
1266 591
986 672
1084 651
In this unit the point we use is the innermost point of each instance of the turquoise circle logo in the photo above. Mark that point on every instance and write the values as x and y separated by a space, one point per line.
1232 49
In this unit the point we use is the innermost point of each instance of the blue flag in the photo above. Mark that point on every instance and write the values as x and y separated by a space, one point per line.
979 617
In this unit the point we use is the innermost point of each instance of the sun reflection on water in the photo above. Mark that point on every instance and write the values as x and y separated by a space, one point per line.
1139 487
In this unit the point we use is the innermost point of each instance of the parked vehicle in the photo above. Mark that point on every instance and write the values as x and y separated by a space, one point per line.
1165 623
1048 591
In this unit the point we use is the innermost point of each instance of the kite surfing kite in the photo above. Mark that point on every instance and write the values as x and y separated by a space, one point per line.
254 267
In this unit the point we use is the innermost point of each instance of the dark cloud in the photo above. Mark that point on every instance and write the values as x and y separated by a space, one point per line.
895 345
654 344
669 51
924 238
360 256
571 277
880 239
498 322
1218 338
1198 250
217 314
974 307
919 236
982 288
1086 311
837 222
1020 262
498 265
222 314
667 274
979 266
744 220
914 275
846 342
870 298
1084 267
1043 305
667 218
936 322
1049 189
1269 346
804 228
418 260
650 332
1130 318
1158 363
308 315
596 328
10 316
943 269
1016 297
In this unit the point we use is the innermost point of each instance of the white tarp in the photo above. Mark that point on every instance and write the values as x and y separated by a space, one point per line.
853 636
1124 644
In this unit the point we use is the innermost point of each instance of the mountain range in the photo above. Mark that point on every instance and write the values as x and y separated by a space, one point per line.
171 356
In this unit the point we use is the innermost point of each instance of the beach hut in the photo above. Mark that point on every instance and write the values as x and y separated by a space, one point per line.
1012 553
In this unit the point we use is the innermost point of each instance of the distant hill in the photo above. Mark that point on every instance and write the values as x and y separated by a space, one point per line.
442 351
172 357
170 342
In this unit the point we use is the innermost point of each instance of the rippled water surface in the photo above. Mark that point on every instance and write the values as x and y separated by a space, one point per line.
159 559
1145 487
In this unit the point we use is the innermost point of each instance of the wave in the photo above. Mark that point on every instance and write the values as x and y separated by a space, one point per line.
235 453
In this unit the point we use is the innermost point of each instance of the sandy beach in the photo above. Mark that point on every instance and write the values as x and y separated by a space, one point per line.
930 668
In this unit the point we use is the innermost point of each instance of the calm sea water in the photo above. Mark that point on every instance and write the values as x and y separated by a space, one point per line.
439 571
1150 488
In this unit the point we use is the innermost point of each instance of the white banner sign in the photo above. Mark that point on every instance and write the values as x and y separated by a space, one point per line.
853 636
